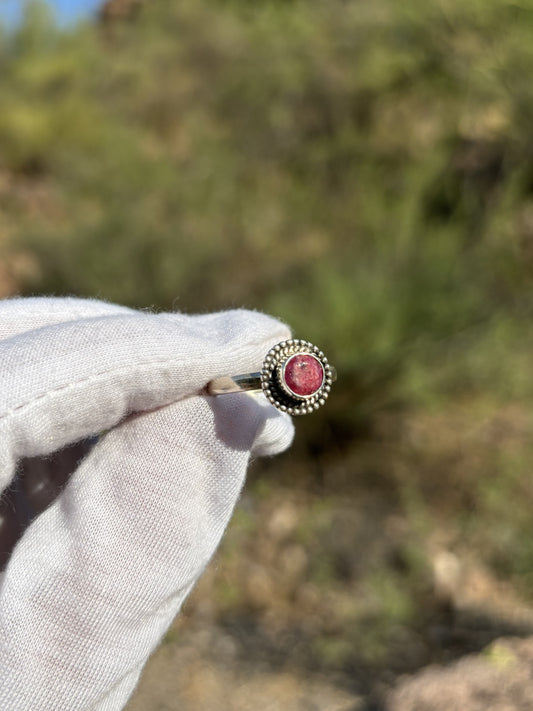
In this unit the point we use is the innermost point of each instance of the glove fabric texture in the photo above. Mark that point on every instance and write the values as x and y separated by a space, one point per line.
97 577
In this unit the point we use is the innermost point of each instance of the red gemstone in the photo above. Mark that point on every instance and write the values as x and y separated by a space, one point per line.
303 374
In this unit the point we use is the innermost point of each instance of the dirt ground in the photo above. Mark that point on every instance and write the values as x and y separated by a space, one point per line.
181 677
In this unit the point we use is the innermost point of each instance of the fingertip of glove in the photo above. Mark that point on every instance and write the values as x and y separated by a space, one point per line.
254 333
243 327
231 342
250 422
275 435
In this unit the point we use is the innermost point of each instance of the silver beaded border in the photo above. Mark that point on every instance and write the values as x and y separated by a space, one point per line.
272 378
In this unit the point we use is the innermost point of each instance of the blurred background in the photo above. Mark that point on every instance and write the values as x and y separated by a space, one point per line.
364 172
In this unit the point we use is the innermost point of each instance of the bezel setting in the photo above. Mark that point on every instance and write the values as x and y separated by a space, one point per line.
273 378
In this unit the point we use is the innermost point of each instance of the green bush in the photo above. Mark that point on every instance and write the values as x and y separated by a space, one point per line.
358 171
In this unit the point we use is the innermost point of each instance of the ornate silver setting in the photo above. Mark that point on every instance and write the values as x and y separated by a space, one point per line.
273 381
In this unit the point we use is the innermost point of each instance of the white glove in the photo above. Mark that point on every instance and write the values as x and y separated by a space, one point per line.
97 578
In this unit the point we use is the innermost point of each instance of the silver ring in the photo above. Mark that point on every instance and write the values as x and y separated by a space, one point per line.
296 377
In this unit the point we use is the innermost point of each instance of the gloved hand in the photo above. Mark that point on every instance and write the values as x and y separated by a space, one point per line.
98 576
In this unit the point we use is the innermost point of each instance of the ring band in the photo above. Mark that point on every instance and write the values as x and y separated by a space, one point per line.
296 377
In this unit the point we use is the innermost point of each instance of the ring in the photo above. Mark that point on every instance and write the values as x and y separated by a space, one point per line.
296 378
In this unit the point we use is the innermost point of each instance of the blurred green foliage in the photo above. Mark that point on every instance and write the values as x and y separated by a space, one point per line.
360 171
364 171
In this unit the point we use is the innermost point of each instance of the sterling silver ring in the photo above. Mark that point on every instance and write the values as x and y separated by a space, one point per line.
296 377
